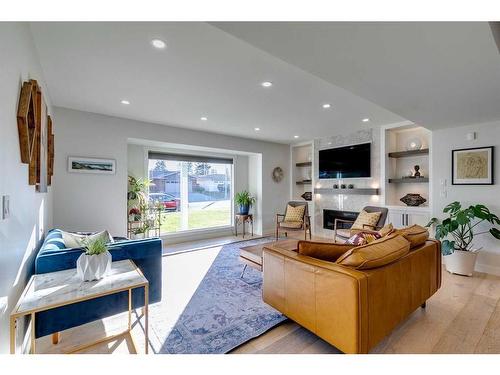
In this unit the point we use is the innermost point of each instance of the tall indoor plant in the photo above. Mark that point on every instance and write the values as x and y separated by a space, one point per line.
244 201
457 233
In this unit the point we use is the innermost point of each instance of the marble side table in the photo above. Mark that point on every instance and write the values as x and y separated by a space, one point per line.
54 289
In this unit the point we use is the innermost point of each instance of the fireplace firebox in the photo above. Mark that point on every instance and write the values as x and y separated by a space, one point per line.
329 217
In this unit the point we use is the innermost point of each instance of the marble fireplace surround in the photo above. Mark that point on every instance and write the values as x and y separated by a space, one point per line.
345 202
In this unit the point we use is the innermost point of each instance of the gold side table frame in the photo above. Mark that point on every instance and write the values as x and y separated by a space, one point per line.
18 313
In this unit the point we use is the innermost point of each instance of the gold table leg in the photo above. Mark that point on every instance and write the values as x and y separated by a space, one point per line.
33 349
13 322
146 316
129 309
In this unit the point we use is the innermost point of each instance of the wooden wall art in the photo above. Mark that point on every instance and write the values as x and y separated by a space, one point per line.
36 140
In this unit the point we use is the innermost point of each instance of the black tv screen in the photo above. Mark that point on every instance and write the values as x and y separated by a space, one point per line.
345 162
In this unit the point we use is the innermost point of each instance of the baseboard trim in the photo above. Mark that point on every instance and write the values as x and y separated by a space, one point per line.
493 270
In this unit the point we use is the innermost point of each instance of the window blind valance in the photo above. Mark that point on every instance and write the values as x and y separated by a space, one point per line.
154 155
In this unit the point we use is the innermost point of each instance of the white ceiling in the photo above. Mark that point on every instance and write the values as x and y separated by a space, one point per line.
439 74
434 74
203 72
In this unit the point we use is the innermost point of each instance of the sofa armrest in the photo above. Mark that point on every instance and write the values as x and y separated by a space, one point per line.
324 297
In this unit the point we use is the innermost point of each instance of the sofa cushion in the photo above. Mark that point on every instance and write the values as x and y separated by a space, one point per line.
366 220
53 241
74 240
291 224
322 250
376 254
416 234
295 213
386 230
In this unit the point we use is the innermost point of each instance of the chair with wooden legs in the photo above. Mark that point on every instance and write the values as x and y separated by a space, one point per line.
301 224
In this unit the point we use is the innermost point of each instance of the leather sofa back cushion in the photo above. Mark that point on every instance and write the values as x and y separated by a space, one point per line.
324 251
416 234
376 254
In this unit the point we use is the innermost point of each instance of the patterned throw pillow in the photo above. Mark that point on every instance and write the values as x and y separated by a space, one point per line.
363 238
295 213
366 220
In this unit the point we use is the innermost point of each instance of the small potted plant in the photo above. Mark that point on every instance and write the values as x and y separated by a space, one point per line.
244 202
134 214
460 227
140 232
95 262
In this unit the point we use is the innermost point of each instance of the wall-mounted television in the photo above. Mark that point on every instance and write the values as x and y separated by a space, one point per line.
345 162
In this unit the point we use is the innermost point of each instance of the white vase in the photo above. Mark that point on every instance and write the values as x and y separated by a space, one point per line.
461 262
93 267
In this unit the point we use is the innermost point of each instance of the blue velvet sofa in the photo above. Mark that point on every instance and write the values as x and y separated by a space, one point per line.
54 256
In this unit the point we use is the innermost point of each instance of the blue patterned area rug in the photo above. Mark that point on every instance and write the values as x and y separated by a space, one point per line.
224 312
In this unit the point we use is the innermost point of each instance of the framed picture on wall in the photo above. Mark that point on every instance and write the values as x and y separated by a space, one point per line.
91 165
472 166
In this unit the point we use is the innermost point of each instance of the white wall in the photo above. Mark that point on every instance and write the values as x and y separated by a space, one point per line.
31 212
444 141
94 202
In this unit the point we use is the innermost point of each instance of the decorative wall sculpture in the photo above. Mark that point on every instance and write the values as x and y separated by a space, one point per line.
36 141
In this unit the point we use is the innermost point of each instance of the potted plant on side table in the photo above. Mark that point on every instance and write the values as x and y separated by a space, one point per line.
457 232
95 263
244 201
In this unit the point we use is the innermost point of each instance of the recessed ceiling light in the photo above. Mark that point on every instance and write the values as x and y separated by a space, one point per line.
295 136
327 105
124 101
266 84
158 43
329 143
203 118
256 129
366 120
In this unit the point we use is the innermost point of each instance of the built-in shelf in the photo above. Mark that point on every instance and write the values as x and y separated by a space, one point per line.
408 180
355 191
304 182
304 164
404 154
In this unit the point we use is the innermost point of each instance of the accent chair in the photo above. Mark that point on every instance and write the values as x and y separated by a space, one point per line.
302 224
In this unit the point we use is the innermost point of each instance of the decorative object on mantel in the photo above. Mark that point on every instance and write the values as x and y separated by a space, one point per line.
413 199
95 263
472 166
307 196
414 144
335 186
350 186
342 186
277 174
91 165
36 141
460 251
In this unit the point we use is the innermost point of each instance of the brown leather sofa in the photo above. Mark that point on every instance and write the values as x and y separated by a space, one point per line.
353 305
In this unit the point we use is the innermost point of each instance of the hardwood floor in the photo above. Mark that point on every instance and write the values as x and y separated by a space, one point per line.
462 317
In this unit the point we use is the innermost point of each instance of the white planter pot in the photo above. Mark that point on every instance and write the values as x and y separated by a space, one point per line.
461 262
93 267
138 236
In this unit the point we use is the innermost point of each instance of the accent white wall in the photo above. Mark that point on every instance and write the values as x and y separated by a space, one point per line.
94 202
31 212
445 140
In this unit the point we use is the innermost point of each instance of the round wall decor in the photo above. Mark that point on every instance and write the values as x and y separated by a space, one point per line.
277 174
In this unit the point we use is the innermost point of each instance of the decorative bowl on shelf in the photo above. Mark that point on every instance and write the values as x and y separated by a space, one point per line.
307 196
413 200
414 144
